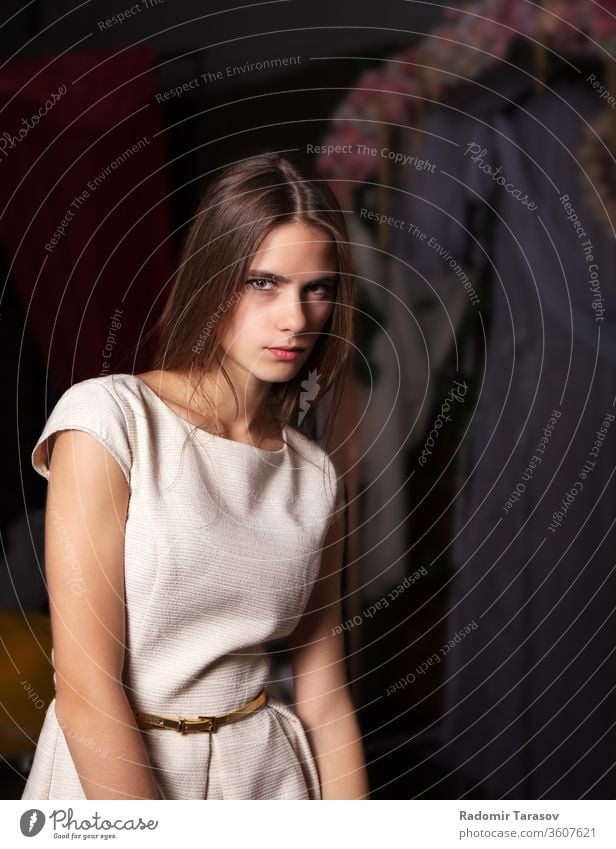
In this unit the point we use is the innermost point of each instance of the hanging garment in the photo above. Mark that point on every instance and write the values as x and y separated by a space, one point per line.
394 406
530 692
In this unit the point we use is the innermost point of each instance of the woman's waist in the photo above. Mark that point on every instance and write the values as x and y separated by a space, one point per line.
206 692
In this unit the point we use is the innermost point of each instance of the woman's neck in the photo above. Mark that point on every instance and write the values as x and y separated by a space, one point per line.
215 406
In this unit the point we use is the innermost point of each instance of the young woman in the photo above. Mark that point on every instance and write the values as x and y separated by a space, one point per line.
192 517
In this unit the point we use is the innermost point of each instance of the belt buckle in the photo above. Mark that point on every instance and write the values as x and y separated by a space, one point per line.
184 725
213 723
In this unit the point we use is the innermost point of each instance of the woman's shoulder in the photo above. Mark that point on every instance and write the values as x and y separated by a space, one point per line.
96 405
310 447
118 393
317 458
96 388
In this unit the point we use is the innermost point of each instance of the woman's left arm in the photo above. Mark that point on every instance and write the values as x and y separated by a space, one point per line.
322 697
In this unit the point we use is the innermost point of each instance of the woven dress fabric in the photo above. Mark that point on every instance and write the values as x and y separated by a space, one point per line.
222 549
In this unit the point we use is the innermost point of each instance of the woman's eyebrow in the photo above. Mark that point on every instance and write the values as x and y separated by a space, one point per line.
280 278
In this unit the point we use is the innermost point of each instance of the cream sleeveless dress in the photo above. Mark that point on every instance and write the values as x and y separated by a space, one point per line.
222 548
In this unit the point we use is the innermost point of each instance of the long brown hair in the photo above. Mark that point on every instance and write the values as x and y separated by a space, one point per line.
239 208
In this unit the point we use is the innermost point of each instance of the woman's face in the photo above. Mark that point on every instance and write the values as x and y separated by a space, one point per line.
287 298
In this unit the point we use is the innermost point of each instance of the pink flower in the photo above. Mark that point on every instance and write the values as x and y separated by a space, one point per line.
383 95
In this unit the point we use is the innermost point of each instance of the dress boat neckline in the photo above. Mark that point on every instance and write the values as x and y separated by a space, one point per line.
278 451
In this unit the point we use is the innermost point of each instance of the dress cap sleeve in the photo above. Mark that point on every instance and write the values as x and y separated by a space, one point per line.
92 407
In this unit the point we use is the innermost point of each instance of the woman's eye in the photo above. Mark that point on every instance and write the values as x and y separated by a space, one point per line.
267 284
320 288
256 280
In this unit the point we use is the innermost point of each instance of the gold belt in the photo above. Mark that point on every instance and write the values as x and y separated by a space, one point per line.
199 723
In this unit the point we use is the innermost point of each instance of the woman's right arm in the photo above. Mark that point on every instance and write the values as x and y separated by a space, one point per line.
86 510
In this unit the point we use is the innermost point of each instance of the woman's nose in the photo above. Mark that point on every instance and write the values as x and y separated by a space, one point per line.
292 315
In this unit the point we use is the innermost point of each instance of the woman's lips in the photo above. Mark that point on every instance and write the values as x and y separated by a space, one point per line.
282 354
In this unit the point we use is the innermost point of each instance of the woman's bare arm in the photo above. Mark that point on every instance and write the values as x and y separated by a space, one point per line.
322 698
86 512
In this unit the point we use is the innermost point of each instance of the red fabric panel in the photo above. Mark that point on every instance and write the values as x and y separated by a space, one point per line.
104 105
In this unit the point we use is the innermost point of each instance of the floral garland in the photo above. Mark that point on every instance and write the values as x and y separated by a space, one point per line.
466 43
